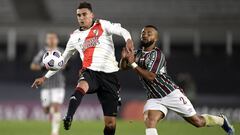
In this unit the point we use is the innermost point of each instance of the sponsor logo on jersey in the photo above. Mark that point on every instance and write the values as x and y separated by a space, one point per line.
91 42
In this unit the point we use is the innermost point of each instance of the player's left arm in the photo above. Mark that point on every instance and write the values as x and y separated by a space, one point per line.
68 52
145 73
117 29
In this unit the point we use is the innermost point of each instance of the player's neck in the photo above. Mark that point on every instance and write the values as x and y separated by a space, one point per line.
52 48
86 27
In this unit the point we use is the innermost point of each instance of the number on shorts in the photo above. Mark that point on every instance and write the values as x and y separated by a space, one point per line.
182 99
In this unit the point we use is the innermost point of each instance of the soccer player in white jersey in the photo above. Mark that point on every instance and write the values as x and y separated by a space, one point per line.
53 90
93 40
162 93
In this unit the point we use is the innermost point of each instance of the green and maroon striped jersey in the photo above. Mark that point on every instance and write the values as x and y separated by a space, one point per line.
155 61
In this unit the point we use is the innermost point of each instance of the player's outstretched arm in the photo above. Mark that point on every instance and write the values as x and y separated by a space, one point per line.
68 52
142 72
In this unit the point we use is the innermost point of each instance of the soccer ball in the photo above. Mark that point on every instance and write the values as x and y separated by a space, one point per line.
53 60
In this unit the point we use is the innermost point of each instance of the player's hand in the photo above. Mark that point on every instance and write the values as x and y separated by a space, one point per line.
130 57
124 53
129 45
38 82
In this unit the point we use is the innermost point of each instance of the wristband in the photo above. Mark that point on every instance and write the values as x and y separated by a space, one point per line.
134 65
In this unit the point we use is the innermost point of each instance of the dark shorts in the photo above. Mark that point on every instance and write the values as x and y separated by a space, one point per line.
107 87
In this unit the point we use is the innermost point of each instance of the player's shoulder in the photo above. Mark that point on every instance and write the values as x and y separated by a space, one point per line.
102 21
156 50
74 36
107 22
76 31
43 50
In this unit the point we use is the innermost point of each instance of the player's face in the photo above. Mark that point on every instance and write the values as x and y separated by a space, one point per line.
85 17
52 40
148 37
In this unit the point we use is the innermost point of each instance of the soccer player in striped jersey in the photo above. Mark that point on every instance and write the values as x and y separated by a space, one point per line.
53 90
162 93
93 40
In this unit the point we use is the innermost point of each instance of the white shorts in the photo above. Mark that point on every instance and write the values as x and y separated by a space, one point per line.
175 101
54 95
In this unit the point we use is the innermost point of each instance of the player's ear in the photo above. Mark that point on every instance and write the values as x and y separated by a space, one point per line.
157 36
57 40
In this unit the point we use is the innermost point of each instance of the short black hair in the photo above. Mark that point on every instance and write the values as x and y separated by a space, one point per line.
85 5
151 26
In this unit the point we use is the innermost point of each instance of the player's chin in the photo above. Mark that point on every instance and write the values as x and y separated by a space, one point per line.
144 41
82 24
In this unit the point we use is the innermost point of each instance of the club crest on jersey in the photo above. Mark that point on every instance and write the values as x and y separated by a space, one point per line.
95 32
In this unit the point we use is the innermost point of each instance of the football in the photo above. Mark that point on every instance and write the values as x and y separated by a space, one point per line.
53 60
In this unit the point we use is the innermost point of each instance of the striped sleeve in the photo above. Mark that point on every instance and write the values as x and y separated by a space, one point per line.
38 58
155 62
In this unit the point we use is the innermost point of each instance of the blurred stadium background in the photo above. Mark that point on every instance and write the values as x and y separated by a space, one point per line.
200 37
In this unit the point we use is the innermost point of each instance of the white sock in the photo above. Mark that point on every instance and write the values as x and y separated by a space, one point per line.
212 120
151 131
56 118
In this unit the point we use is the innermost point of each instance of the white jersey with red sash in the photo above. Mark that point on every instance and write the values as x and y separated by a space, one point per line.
95 46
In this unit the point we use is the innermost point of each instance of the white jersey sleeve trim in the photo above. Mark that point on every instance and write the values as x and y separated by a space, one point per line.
50 73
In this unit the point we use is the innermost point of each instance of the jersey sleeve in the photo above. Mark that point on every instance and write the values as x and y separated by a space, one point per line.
68 52
156 62
38 58
115 29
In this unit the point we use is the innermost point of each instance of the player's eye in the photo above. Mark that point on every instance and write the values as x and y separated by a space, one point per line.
149 33
84 14
79 15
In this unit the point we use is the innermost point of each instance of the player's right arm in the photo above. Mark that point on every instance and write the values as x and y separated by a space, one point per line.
68 52
117 29
154 66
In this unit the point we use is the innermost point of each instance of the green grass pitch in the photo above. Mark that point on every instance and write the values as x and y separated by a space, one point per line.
95 128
